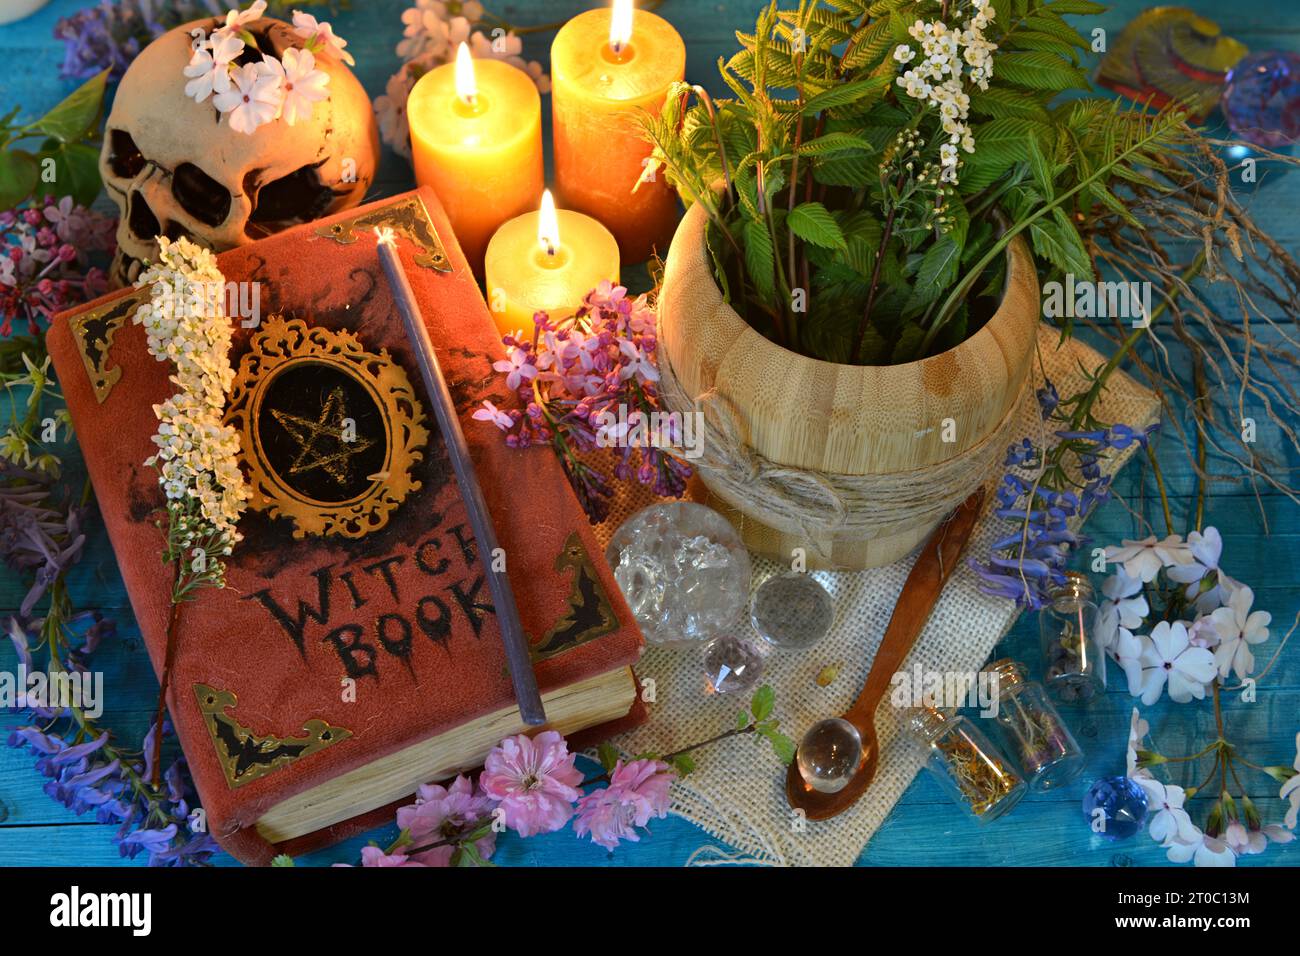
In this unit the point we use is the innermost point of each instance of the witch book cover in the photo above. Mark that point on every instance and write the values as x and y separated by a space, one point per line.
355 636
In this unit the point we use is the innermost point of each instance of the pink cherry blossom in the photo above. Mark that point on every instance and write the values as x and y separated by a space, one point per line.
373 856
637 791
535 780
444 812
235 19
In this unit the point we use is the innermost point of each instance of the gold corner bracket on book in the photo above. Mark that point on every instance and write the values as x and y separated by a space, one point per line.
94 331
246 756
408 217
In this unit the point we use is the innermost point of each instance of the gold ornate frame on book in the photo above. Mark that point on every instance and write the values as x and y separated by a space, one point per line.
329 431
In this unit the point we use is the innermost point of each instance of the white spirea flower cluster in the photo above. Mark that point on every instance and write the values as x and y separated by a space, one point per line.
197 458
253 94
951 57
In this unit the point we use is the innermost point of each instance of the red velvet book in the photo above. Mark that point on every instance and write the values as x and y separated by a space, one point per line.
354 652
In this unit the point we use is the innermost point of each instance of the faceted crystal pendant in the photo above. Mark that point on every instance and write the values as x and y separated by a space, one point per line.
1115 807
829 754
732 665
1262 99
683 570
792 611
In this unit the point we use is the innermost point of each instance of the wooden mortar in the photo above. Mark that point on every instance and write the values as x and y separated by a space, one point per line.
852 420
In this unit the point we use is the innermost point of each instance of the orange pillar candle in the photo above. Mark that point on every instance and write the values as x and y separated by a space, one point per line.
476 138
546 261
606 66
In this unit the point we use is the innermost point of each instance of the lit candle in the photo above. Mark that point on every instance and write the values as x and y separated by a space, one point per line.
476 138
606 66
546 261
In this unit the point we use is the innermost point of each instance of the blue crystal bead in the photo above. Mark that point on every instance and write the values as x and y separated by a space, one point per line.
1261 100
1123 806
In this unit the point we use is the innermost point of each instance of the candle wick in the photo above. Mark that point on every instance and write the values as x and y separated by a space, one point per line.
550 248
618 48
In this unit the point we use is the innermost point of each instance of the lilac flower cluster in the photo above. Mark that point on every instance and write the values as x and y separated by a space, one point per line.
109 35
1038 495
88 775
44 265
574 377
35 538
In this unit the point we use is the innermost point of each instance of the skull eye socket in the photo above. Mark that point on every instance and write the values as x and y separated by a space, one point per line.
200 195
297 197
124 157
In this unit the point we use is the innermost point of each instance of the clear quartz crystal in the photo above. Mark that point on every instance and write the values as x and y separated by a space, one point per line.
829 754
792 611
683 570
732 665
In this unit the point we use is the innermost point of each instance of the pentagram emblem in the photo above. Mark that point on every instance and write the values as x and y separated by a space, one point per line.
329 431
329 443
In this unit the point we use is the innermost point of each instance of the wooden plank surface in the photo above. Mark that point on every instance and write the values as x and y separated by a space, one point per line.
923 829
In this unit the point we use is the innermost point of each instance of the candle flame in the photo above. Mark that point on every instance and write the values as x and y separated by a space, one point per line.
466 85
548 225
620 25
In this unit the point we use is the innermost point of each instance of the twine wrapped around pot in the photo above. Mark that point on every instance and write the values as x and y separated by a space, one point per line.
818 505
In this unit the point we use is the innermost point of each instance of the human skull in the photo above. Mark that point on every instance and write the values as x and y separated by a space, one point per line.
176 168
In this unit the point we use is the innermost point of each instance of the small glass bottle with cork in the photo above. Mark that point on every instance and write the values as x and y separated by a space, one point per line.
1033 730
971 770
1074 667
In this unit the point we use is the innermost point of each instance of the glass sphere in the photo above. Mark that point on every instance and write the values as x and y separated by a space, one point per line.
1261 100
792 611
829 754
1115 807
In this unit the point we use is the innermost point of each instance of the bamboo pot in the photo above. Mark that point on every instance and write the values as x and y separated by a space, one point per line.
852 420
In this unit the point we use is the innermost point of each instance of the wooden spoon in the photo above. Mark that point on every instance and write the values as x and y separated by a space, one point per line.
934 565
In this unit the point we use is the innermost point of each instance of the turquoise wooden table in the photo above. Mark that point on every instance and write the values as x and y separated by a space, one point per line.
1261 539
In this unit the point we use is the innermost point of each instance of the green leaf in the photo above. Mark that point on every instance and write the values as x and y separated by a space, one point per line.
1000 144
1041 169
1059 243
76 173
785 747
938 269
858 93
1040 71
684 764
909 344
1002 103
760 259
811 222
18 176
763 702
73 118
607 754
282 859
834 143
742 719
1081 7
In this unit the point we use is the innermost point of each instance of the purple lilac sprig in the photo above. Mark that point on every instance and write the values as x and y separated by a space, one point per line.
86 771
1041 493
109 35
44 260
583 383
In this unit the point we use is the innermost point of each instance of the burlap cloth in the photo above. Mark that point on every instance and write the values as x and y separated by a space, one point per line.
737 793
